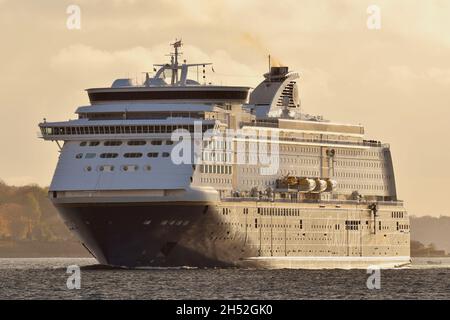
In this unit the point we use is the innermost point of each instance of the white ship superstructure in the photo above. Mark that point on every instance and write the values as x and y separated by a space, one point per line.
330 202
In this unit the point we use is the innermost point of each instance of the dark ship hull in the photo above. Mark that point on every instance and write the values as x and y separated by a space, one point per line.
230 234
153 234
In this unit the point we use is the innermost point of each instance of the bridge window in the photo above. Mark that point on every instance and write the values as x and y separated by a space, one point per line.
165 154
89 155
94 143
152 154
117 129
156 142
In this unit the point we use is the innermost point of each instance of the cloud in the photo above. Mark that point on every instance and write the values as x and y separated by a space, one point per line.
79 60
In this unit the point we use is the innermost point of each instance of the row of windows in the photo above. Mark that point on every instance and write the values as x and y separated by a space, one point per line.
215 180
219 157
217 144
279 212
112 155
303 173
299 160
139 115
352 224
347 152
299 149
402 226
125 168
364 164
362 187
80 130
218 169
362 175
115 143
397 214
349 224
255 182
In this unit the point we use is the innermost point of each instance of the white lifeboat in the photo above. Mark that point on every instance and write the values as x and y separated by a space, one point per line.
331 185
306 185
321 186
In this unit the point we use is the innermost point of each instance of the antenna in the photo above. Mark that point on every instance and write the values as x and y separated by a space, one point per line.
177 44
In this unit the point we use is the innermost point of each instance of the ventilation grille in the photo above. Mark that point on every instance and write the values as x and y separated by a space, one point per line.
288 91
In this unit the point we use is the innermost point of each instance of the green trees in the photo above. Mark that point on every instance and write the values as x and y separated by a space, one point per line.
27 214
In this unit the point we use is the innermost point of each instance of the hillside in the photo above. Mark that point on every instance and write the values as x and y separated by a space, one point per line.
30 225
431 230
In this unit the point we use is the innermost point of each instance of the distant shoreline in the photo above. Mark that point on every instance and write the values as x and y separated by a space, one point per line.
42 249
73 249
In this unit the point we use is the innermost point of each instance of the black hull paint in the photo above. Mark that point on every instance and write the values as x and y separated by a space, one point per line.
135 235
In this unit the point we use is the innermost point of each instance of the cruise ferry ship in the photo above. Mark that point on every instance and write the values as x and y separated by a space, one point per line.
179 172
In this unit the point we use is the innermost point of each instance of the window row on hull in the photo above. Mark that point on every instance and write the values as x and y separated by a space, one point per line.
112 155
125 168
116 143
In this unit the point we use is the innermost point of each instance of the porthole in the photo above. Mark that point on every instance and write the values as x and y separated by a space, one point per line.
88 168
94 143
106 168
156 142
148 168
152 154
83 143
130 168
89 155
165 154
169 142
79 156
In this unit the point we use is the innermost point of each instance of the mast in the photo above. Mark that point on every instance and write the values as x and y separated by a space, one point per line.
176 77
177 44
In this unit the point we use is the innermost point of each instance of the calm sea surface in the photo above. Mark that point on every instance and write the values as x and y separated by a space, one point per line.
428 278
